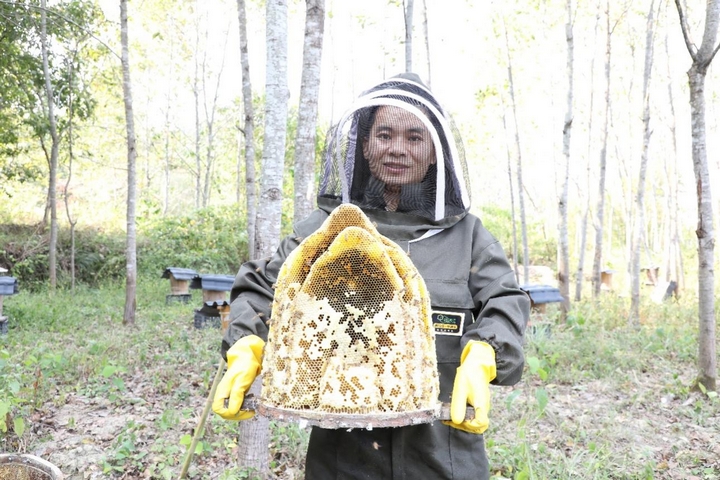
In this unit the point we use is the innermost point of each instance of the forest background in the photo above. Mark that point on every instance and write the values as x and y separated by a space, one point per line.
188 111
501 69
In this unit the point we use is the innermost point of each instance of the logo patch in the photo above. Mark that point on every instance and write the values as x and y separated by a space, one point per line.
448 323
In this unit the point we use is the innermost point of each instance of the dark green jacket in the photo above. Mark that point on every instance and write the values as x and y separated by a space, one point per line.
466 272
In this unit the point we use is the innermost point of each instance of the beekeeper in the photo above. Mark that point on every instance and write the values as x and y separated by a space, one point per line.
397 155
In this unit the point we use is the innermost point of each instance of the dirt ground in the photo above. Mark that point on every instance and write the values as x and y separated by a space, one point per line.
629 428
632 425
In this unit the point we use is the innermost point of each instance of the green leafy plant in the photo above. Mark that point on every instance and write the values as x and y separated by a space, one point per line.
126 455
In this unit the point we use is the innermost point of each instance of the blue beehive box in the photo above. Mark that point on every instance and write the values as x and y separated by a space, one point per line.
8 286
542 294
214 287
185 274
219 283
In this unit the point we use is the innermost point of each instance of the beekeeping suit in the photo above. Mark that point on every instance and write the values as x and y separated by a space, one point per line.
397 155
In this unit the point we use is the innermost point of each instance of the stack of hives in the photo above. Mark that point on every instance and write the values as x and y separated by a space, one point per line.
350 341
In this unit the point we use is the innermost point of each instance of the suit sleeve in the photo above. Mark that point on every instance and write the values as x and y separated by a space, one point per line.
252 293
502 308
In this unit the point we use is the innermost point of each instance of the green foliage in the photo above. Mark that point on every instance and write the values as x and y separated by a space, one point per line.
126 456
22 83
12 401
290 442
99 256
212 240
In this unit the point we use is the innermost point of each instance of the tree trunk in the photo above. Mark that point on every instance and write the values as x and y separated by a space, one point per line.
256 434
130 251
210 120
600 209
168 109
66 194
512 199
707 358
54 149
248 130
308 110
521 195
196 97
702 57
166 173
563 250
276 97
638 233
580 276
426 35
409 6
675 270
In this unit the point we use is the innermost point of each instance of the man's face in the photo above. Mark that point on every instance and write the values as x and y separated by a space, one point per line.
399 148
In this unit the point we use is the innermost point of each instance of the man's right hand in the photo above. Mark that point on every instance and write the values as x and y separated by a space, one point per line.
244 361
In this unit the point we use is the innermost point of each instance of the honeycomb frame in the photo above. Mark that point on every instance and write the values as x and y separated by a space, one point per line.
350 342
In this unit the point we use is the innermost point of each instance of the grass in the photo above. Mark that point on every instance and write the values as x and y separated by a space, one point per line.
598 400
72 345
601 400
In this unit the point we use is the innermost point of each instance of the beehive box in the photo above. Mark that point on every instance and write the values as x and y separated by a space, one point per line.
350 342
214 287
179 284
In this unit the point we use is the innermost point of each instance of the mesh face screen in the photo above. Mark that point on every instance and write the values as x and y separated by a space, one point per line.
396 149
350 332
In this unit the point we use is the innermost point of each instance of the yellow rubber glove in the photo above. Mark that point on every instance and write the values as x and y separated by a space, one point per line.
244 361
472 387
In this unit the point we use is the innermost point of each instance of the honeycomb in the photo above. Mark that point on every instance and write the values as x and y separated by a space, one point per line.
350 331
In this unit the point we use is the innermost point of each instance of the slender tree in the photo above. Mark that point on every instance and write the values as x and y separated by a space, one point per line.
167 149
580 276
675 268
66 193
196 98
563 250
512 196
210 110
701 59
638 232
600 208
308 109
130 251
521 195
269 215
426 36
254 436
248 129
55 146
409 6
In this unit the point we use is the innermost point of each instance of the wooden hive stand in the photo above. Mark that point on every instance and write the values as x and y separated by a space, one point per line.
213 314
179 284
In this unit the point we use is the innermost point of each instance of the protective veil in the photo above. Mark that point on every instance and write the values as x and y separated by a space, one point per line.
396 149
